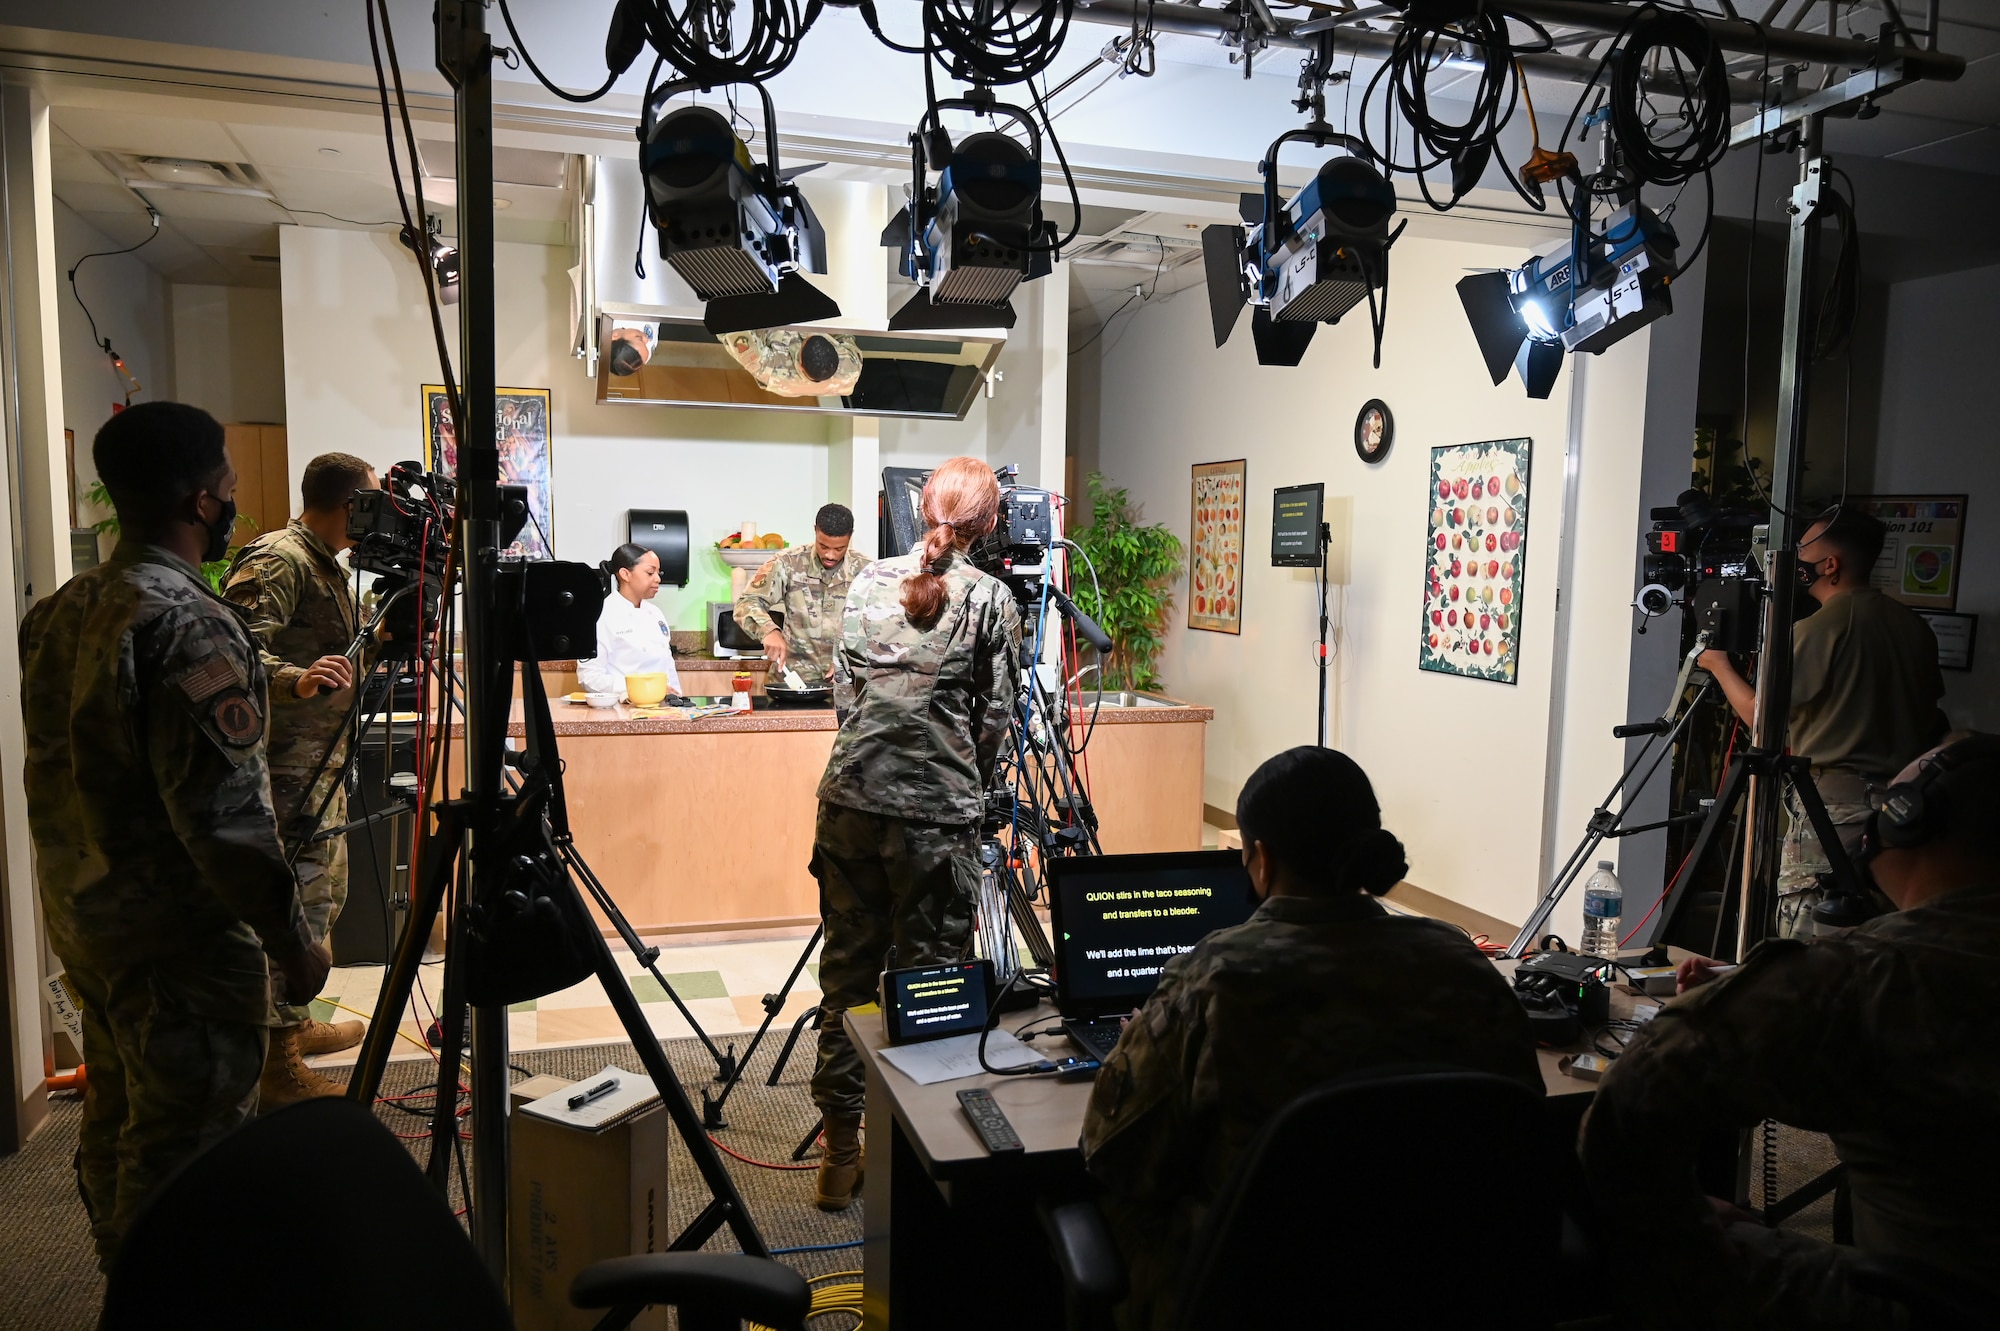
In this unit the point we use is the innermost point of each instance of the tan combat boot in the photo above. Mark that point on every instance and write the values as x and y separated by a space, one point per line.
840 1166
287 1080
317 1037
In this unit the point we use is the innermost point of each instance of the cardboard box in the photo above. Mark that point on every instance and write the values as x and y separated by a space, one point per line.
576 1197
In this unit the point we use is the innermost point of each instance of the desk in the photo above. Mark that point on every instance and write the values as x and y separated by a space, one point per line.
950 1238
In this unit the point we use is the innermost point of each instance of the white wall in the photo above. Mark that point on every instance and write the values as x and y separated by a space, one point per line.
1937 436
229 352
133 307
1461 766
358 348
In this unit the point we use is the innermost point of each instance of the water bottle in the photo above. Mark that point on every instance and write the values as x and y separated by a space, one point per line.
1603 902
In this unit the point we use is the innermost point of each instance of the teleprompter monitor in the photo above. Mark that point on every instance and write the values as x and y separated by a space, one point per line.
1119 919
1297 519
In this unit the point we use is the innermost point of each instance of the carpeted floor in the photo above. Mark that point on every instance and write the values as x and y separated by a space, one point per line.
50 1280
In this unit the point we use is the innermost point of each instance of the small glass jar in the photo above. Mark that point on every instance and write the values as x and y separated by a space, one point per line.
740 686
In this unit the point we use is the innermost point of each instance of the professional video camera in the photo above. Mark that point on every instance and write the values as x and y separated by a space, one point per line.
1016 551
404 526
1708 554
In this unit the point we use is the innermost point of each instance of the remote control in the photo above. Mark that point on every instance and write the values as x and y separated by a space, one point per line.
988 1121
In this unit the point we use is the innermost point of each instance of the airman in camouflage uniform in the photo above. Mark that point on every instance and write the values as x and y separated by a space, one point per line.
923 715
163 884
297 602
1881 1038
808 585
1254 1017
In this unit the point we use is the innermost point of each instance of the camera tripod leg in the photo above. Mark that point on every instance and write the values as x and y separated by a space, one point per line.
439 859
815 1015
726 1206
727 1065
811 1139
1734 782
1840 866
773 1005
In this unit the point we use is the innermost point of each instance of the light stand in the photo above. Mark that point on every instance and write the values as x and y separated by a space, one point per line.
519 924
1319 651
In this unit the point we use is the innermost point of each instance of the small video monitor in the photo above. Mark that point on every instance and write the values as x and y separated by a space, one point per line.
928 1002
1297 514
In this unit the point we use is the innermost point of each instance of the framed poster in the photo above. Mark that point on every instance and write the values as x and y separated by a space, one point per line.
1476 557
522 430
1215 557
1955 635
1920 559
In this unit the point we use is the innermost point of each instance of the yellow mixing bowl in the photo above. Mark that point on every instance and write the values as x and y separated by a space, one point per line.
646 690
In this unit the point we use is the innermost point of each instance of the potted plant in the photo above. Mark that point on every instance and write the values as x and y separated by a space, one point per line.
1136 565
212 570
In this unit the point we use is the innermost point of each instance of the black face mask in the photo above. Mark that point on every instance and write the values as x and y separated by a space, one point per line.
219 531
1807 575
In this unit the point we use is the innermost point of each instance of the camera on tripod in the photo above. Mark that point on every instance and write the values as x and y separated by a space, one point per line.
1704 557
1016 551
404 527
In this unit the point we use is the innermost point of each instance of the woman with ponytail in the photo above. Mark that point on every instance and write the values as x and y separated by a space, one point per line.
923 682
1319 983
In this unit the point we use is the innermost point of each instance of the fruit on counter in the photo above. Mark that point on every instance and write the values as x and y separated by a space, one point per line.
770 540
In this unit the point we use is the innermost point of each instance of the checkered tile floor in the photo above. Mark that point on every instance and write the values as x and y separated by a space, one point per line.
723 985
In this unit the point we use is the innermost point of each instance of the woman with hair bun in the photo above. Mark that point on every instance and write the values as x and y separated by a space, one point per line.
923 682
1319 983
633 637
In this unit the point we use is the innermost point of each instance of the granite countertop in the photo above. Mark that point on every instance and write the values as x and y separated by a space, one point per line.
575 719
685 661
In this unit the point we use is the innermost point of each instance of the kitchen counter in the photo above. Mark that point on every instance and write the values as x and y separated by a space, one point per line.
706 825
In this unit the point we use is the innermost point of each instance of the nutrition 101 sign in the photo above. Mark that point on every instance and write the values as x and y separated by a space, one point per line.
1920 558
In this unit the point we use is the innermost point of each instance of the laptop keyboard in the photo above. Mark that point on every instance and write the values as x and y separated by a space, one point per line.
1098 1037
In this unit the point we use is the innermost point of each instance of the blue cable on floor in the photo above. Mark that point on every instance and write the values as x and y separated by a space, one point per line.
816 1247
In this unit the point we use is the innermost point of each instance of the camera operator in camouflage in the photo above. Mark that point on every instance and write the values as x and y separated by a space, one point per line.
808 585
298 604
924 685
163 883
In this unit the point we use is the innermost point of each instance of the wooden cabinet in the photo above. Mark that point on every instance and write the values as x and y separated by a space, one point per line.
263 476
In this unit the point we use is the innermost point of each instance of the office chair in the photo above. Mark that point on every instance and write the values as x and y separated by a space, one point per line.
1414 1196
1937 1300
244 1238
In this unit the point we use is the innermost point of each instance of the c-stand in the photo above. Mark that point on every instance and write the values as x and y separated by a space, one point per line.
519 925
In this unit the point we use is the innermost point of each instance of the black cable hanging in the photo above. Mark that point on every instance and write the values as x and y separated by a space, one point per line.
699 38
521 49
1422 48
102 342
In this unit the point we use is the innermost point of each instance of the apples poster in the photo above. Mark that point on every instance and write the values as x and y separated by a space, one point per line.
1476 560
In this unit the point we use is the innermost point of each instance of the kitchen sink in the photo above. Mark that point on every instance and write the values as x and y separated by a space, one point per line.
1090 700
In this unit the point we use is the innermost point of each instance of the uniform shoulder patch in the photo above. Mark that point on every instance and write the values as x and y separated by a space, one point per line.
211 676
235 718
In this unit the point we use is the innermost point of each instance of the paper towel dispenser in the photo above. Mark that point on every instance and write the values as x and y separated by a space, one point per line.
664 531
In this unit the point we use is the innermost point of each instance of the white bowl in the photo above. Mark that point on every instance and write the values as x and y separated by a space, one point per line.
748 559
602 699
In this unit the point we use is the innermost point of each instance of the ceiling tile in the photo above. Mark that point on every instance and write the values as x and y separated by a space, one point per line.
1978 150
1967 39
209 232
69 160
352 153
342 194
1891 131
172 256
175 204
1975 97
86 197
152 136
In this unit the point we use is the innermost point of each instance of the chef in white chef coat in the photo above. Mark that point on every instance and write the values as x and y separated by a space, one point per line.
632 634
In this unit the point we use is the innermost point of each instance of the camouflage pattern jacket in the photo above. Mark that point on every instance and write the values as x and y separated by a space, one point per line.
922 712
811 597
296 600
1881 1038
148 800
1306 990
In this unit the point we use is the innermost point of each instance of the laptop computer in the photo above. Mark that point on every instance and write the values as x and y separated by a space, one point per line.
1119 919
